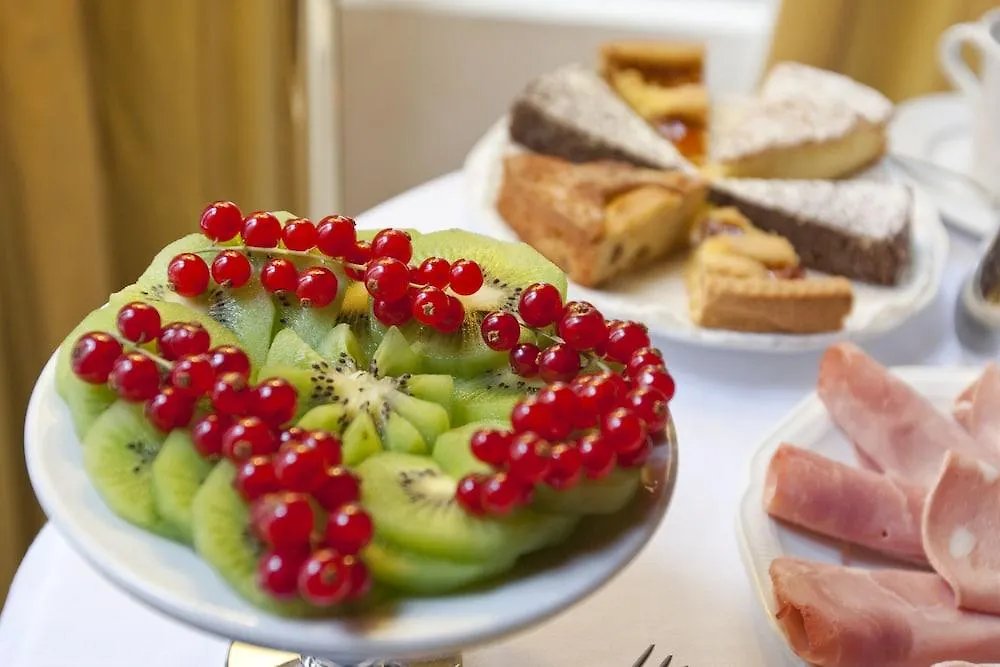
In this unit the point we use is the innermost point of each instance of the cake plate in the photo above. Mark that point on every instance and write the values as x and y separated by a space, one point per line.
170 577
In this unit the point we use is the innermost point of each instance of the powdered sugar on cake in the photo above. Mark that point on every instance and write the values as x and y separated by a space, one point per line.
790 80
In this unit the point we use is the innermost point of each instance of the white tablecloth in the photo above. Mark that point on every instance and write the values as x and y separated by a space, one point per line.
687 592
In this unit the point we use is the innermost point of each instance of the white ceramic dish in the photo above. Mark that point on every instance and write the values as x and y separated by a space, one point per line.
763 539
657 296
172 579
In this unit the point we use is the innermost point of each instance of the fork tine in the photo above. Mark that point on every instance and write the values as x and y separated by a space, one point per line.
644 657
666 661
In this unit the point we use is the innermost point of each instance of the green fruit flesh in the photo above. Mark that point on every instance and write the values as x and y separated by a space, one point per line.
452 452
360 440
604 496
178 471
424 575
491 395
394 355
399 435
341 345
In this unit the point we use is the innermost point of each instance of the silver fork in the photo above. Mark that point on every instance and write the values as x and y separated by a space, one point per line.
642 659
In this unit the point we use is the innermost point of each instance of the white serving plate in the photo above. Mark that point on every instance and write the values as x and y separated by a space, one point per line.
762 539
169 577
657 296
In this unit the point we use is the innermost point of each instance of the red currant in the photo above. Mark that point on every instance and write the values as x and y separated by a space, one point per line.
327 444
338 487
279 275
349 529
624 339
454 316
317 287
490 446
501 331
559 363
231 269
229 394
229 359
469 494
278 572
623 430
299 234
299 467
651 406
261 230
563 402
429 306
183 339
256 478
393 313
597 456
324 580
134 377
658 378
193 375
392 243
206 434
187 274
292 433
275 401
387 279
360 253
93 356
139 322
248 437
283 520
524 359
221 220
359 576
530 416
598 395
647 356
529 458
336 235
582 326
565 468
500 494
434 271
466 277
637 457
540 305
169 409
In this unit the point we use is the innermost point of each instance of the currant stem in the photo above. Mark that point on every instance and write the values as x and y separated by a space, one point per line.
551 336
253 250
126 343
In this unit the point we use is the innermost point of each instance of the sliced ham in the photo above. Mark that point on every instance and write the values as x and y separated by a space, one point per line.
836 616
846 503
978 408
961 531
899 431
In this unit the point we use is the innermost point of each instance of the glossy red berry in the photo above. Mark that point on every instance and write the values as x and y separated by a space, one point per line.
230 395
134 377
387 278
187 274
392 243
529 458
564 404
298 467
429 306
651 406
283 520
454 316
597 456
524 359
349 529
623 430
598 395
169 409
466 277
469 494
229 359
278 572
491 446
624 339
558 363
565 467
529 415
248 437
647 356
500 331
139 322
299 234
339 486
393 313
582 326
359 576
540 305
328 445
256 478
360 253
93 356
652 376
638 456
317 287
324 580
275 401
221 220
183 339
206 434
193 375
500 494
292 433
336 235
279 275
261 230
231 269
434 271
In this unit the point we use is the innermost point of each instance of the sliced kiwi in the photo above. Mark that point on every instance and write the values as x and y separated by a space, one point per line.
434 388
412 504
491 395
341 345
603 496
394 355
419 574
355 312
177 473
452 452
360 440
118 454
288 349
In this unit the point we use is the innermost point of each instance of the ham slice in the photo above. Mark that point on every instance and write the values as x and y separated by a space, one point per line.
978 408
897 429
836 616
846 503
961 530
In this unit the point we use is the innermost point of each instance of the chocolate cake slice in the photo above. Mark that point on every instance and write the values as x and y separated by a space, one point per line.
573 114
857 229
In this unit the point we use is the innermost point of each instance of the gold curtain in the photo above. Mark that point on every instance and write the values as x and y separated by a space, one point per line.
119 120
890 45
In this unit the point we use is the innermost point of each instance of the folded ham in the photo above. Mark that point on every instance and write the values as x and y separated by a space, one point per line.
836 616
897 430
846 503
978 408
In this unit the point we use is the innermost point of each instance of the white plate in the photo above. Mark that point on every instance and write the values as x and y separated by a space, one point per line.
763 539
937 128
656 295
171 578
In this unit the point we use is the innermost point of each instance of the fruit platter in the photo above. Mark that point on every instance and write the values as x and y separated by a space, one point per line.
352 443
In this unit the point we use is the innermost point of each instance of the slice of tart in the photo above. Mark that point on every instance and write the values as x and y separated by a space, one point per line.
573 114
791 80
598 220
858 229
743 279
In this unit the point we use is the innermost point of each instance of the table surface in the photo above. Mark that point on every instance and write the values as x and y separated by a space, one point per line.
687 592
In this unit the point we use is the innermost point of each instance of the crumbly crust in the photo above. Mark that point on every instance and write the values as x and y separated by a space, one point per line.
796 80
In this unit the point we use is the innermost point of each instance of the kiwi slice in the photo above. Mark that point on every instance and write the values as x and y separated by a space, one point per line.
355 312
425 575
491 395
118 454
177 473
412 504
452 453
394 355
507 269
590 496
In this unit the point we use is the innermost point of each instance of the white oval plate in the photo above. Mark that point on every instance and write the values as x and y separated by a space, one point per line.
808 425
172 579
657 296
